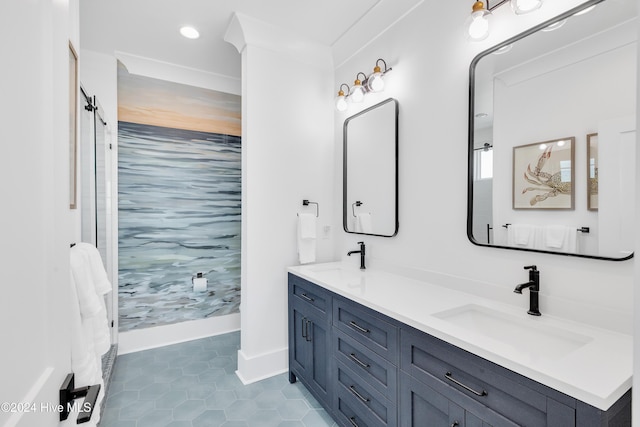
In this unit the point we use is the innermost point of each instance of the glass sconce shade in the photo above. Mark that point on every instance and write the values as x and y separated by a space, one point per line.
341 99
341 102
357 91
375 81
520 7
477 24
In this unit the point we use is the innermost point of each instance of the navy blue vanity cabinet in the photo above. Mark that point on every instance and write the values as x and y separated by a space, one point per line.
495 395
365 369
309 337
369 370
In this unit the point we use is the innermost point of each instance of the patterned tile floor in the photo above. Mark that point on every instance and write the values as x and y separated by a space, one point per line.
193 384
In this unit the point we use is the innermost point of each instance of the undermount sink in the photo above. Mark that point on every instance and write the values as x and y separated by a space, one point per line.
336 272
523 335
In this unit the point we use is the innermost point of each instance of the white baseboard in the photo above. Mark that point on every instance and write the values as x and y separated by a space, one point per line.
159 336
252 369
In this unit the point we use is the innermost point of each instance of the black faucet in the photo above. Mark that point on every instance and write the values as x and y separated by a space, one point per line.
534 288
361 252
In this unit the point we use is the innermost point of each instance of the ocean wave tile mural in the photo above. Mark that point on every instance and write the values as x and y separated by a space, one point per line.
179 195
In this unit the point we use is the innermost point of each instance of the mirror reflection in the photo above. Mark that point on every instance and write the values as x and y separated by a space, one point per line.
552 136
370 194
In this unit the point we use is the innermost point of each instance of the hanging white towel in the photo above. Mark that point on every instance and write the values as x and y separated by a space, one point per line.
85 363
102 285
90 303
521 235
306 238
554 235
307 224
99 274
561 238
363 223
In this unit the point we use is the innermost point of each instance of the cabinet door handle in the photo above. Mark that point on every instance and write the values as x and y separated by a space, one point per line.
358 361
449 376
353 390
304 328
359 328
353 422
305 297
309 337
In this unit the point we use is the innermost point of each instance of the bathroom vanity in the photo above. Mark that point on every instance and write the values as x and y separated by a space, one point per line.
382 349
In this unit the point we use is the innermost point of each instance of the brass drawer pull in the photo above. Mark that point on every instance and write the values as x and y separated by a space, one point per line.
352 420
358 361
305 297
358 395
449 376
358 327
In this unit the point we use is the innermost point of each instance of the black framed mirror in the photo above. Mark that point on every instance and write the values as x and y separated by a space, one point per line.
370 171
535 103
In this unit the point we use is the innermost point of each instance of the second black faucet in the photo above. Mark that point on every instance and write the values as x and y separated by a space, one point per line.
534 289
361 252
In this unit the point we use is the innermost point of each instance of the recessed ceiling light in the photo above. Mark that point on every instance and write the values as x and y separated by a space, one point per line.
189 32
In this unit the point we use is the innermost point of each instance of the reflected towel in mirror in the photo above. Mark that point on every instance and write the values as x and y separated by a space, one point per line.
521 235
363 223
560 238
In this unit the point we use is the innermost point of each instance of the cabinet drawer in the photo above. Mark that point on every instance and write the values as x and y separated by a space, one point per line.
368 327
381 374
309 293
366 407
456 372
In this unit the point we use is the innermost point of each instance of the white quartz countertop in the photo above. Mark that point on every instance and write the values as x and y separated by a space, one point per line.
590 364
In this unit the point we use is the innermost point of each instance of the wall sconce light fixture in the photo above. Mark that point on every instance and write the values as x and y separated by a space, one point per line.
356 93
341 100
477 26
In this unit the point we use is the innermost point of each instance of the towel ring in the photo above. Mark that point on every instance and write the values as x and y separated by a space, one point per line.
353 205
305 202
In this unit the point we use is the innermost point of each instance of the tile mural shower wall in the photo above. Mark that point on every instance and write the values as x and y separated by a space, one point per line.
179 201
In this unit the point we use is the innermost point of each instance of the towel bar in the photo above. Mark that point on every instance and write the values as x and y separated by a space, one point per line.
68 393
353 209
305 202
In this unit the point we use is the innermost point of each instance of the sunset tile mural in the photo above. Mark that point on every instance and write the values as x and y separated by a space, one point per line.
179 195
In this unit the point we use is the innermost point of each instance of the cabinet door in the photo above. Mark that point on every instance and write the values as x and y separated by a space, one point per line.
309 349
420 406
318 340
299 347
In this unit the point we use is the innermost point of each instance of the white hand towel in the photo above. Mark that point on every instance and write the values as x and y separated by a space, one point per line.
307 224
306 245
554 235
364 223
521 234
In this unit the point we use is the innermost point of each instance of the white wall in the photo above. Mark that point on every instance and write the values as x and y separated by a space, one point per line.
430 59
35 215
287 156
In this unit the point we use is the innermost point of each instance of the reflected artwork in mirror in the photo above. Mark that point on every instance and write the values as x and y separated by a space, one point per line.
370 171
552 136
